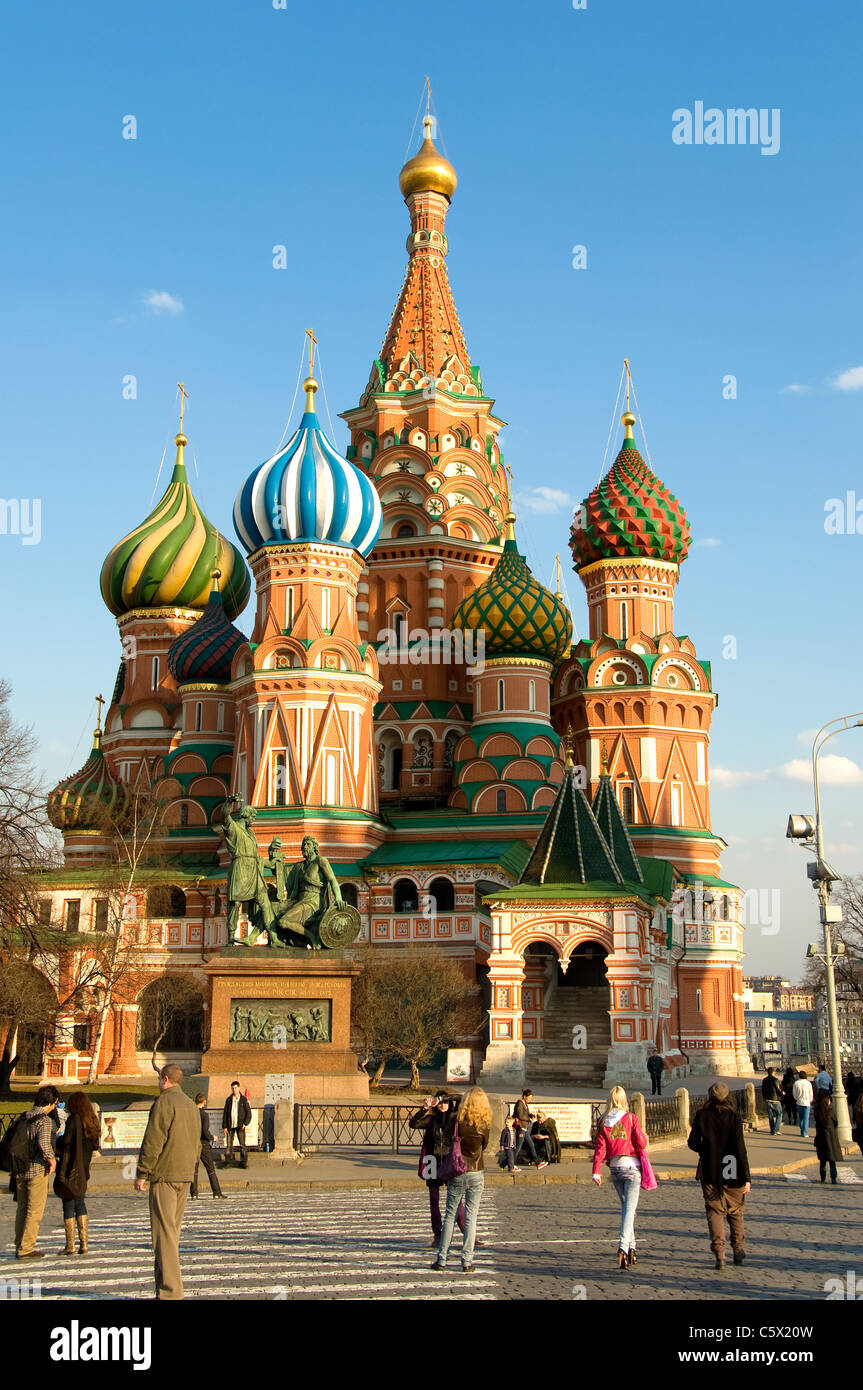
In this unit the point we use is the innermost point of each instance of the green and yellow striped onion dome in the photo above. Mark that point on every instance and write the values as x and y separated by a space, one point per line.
90 799
517 614
629 513
167 561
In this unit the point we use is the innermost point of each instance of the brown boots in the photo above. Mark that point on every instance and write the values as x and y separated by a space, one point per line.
69 1225
82 1235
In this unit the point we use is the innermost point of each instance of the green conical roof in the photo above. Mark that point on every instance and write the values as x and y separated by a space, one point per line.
613 827
571 847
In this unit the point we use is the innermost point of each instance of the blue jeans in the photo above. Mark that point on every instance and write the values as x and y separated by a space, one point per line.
627 1185
774 1115
467 1187
803 1120
525 1139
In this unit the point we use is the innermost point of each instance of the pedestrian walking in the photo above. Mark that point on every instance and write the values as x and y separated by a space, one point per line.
772 1093
523 1122
437 1120
75 1147
169 1151
235 1116
823 1081
507 1145
723 1170
803 1096
33 1162
470 1139
206 1155
655 1068
622 1144
789 1104
826 1138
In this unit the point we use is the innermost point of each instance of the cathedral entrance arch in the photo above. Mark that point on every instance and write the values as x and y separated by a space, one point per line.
585 967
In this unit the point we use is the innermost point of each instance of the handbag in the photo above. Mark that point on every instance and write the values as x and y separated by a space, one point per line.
453 1165
648 1178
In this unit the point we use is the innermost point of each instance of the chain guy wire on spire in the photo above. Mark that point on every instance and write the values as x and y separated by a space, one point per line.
641 425
294 401
613 423
324 389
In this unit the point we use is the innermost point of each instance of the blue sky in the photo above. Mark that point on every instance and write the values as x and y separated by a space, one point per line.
258 127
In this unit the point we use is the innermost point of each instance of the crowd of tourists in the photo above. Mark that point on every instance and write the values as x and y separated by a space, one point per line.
456 1130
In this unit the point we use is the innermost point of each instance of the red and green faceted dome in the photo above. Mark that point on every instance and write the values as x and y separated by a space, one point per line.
629 513
517 614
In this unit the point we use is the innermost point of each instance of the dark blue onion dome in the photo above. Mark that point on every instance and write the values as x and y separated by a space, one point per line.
308 492
205 652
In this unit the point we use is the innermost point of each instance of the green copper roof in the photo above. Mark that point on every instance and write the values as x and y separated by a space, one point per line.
509 855
571 847
611 822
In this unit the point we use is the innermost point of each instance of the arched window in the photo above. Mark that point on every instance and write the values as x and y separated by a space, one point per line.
501 702
698 1000
531 695
501 799
676 804
405 896
220 718
289 609
166 901
325 609
627 805
155 674
449 747
400 627
199 714
624 621
405 531
441 889
349 893
656 620
170 1016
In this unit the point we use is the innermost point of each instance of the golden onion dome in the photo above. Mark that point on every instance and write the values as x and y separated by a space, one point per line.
428 171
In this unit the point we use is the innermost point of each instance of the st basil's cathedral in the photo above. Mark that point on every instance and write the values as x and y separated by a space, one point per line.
410 695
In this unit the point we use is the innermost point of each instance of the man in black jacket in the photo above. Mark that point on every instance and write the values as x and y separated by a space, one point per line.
772 1093
723 1169
655 1068
206 1152
437 1119
235 1116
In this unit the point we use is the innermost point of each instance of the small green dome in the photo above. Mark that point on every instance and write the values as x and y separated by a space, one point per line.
90 799
518 615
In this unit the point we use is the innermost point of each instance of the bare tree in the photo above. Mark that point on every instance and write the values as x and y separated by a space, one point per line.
171 998
412 1006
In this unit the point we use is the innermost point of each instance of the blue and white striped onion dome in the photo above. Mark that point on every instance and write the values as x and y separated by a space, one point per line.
308 492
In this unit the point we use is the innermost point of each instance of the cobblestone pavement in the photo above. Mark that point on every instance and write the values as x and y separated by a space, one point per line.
549 1243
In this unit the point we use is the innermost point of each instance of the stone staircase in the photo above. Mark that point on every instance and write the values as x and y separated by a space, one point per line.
554 1060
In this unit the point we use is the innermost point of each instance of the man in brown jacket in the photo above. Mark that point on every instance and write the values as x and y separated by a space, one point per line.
169 1151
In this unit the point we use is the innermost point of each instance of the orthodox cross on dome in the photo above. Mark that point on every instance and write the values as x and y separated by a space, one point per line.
99 703
569 745
312 344
184 395
557 592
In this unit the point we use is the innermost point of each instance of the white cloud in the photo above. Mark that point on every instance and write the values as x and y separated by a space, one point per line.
849 380
807 737
160 302
728 777
833 770
795 389
543 499
708 542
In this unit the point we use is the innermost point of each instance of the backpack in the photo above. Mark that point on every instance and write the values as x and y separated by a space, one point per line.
15 1146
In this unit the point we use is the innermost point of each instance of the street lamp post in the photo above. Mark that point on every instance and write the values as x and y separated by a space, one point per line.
823 879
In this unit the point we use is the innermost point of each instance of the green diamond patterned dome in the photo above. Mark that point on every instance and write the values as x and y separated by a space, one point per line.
90 799
518 615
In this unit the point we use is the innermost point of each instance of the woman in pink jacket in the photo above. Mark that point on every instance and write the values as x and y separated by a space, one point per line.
620 1142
